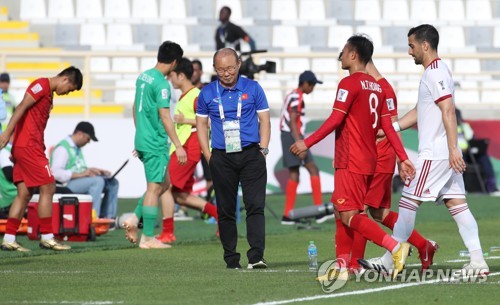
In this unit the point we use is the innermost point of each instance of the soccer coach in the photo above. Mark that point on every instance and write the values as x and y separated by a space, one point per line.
240 125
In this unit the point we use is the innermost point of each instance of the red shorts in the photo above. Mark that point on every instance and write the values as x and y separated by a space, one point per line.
349 190
380 191
181 176
31 167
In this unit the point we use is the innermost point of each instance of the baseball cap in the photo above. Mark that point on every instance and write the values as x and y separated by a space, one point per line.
308 76
87 128
4 77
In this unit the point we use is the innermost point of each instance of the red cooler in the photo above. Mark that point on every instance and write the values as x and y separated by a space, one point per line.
71 217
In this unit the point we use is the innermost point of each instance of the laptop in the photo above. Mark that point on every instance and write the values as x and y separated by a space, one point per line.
119 170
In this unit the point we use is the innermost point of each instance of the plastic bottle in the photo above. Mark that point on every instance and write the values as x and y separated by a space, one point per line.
312 252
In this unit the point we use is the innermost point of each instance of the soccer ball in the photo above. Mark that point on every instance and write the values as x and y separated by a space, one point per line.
120 220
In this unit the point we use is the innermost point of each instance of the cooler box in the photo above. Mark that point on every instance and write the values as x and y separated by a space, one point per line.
71 217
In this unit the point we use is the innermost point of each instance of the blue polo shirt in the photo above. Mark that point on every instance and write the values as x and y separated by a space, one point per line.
253 100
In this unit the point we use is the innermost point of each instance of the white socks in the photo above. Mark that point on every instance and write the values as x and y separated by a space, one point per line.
467 226
47 236
9 238
406 220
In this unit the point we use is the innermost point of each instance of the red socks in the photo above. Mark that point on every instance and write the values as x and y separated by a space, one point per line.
343 241
371 231
12 226
211 210
415 238
358 247
46 225
290 196
316 190
168 225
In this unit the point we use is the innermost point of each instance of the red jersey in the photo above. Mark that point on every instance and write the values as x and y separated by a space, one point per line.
386 155
362 99
30 127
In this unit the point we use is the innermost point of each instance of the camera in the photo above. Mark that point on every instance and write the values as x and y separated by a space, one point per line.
249 68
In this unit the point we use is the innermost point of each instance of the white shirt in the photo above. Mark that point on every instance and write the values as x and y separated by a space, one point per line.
436 85
5 157
59 160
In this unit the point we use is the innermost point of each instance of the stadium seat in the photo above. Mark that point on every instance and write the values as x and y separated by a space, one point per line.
172 9
175 32
312 10
467 93
323 97
261 35
89 9
201 9
313 36
338 35
257 9
326 65
285 36
451 37
283 10
146 9
66 35
396 36
340 10
451 10
479 36
395 10
119 35
298 65
61 9
148 35
203 37
479 10
32 9
235 6
467 66
125 92
496 37
385 65
116 9
490 92
423 10
367 10
92 34
274 93
99 64
124 64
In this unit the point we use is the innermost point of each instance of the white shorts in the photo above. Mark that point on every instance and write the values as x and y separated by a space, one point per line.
434 181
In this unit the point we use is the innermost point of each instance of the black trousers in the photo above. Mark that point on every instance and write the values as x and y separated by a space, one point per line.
247 167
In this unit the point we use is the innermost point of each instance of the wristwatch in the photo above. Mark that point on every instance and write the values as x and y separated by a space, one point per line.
264 150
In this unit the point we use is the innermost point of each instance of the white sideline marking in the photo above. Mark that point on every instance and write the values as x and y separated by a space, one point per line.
68 302
358 292
42 272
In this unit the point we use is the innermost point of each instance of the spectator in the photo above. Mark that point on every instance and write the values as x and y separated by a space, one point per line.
31 167
8 190
240 125
465 136
228 34
292 129
8 98
68 164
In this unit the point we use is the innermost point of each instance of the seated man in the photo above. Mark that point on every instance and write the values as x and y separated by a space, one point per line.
68 166
8 190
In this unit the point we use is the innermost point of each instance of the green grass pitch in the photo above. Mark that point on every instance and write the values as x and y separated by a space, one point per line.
112 271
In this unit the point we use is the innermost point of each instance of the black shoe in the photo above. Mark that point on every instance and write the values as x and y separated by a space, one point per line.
262 264
287 221
238 266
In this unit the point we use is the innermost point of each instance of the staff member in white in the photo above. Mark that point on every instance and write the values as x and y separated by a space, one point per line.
440 164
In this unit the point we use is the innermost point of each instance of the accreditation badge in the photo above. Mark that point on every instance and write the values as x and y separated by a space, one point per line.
232 136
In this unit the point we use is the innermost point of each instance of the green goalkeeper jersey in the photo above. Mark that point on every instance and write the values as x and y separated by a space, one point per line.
152 93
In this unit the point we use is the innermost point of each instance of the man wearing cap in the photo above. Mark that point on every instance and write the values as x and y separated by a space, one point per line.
69 167
292 129
7 98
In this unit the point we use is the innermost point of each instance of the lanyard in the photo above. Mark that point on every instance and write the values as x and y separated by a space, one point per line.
221 109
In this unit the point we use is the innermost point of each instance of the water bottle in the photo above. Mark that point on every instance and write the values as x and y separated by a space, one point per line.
312 252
